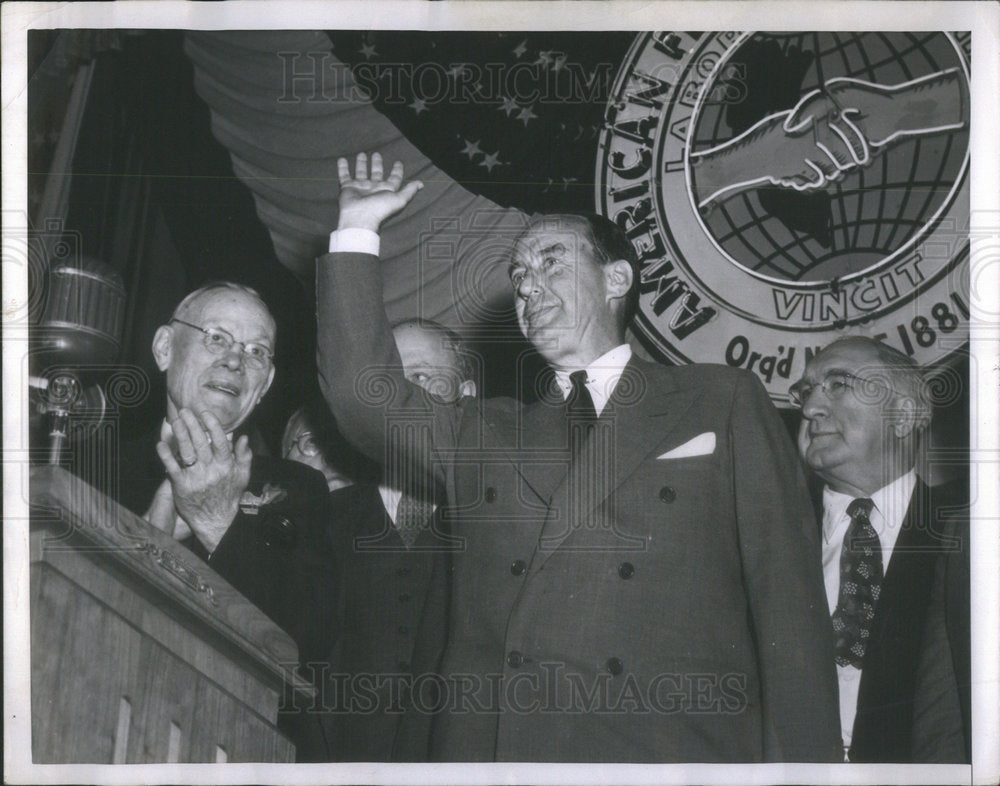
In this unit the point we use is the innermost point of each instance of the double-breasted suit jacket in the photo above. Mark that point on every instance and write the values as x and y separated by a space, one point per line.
652 596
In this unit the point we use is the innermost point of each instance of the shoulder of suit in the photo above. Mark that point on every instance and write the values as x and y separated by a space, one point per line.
956 490
348 495
950 501
498 408
714 376
305 480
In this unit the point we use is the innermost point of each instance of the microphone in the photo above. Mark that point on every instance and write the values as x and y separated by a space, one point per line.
75 342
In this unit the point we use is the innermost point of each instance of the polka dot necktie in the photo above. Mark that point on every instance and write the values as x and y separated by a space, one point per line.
860 582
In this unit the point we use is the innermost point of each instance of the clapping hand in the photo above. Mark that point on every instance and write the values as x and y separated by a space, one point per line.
366 200
208 476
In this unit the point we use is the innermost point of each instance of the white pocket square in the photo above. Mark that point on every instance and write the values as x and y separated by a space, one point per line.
702 445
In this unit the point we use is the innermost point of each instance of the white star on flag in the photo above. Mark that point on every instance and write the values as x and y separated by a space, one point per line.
490 161
471 149
509 106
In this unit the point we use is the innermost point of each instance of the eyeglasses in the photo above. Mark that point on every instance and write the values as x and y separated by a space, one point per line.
834 385
306 444
218 341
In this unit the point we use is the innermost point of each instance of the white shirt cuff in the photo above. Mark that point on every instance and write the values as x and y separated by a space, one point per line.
354 241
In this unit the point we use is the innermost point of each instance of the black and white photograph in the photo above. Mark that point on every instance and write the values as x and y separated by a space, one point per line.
474 392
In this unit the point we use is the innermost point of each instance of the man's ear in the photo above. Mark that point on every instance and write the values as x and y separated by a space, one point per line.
270 379
618 275
163 346
467 388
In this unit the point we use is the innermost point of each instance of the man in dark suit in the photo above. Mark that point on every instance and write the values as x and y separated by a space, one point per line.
895 557
393 555
256 520
636 575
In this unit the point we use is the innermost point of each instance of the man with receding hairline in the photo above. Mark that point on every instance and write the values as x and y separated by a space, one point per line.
256 520
393 548
636 570
895 556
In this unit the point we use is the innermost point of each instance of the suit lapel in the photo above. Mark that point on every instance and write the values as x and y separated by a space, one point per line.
642 412
912 558
542 442
884 714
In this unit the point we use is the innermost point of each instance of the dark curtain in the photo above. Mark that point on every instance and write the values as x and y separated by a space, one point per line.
154 195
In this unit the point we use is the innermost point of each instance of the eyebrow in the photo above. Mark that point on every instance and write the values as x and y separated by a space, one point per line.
262 342
828 372
556 249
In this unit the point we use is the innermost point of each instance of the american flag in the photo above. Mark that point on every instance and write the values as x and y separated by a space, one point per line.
514 117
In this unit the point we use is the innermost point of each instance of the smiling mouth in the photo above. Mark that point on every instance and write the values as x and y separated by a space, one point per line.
225 388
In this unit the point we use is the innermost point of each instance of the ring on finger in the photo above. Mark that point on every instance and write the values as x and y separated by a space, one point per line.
190 463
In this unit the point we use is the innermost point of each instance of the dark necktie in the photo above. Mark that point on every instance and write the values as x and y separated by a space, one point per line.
580 403
860 582
412 515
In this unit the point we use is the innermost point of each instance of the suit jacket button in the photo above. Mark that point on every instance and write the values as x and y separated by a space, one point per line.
514 659
403 666
402 571
404 630
491 494
614 665
517 567
626 570
404 597
667 494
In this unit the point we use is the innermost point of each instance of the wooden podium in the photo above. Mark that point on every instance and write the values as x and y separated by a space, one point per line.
139 651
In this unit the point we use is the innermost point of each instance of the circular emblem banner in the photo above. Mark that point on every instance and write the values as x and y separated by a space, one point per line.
782 189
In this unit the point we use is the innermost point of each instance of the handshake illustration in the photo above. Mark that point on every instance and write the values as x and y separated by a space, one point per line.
832 130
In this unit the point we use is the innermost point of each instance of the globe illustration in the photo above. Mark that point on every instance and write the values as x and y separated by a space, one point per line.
870 214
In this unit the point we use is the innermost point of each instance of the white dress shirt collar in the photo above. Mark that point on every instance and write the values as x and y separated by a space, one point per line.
391 498
890 506
602 375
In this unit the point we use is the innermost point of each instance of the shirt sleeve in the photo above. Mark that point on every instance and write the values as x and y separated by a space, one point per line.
354 241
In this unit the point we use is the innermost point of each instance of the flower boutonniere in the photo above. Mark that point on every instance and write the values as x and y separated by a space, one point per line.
251 504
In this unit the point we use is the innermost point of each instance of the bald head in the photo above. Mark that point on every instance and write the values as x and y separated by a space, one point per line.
217 353
436 359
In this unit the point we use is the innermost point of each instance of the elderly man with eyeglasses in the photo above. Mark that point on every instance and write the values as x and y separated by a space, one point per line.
258 521
895 556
